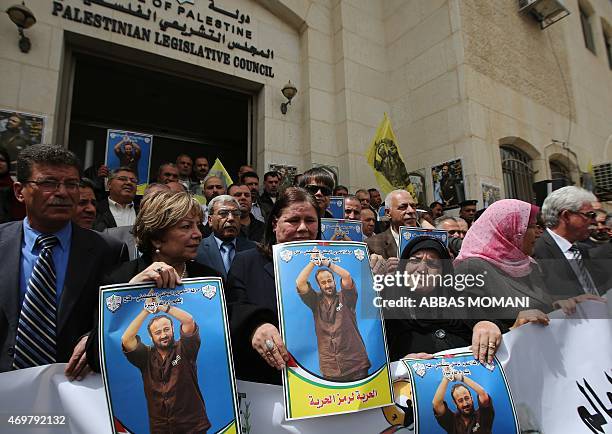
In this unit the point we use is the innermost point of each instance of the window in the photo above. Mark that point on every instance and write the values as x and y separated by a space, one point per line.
587 30
517 173
559 170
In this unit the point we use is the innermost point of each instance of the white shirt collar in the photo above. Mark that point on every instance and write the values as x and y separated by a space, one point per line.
118 205
563 244
395 236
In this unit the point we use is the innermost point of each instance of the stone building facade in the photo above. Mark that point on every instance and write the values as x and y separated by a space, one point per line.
458 78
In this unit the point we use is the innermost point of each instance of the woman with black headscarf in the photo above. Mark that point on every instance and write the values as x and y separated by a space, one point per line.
422 332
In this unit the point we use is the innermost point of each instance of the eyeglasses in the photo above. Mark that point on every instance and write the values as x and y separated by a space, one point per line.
429 263
52 185
314 189
589 214
170 175
126 179
224 213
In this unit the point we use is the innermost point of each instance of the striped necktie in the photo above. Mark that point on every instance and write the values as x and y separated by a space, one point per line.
583 274
35 344
227 254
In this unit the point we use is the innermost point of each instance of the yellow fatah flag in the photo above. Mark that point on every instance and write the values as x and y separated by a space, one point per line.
386 161
217 169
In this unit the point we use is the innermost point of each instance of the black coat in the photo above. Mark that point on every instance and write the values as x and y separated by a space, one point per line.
406 336
251 297
560 279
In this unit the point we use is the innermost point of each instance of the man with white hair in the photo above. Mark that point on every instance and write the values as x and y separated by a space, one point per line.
568 214
400 206
219 248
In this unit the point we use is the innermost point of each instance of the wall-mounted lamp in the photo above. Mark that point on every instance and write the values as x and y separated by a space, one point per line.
23 19
289 91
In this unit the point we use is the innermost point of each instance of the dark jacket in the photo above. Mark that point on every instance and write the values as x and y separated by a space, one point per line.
265 203
383 244
209 254
251 297
560 279
91 257
104 216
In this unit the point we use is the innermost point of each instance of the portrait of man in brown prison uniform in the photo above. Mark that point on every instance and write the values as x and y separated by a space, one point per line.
169 371
342 353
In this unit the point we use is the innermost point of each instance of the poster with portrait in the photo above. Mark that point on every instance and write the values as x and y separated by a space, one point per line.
130 149
455 389
448 184
19 130
341 230
407 233
490 194
165 358
331 329
336 207
287 174
417 181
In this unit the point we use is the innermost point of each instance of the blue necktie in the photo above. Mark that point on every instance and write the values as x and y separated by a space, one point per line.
35 344
227 253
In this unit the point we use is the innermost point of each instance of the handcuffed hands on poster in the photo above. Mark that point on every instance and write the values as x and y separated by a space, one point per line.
165 358
341 230
332 330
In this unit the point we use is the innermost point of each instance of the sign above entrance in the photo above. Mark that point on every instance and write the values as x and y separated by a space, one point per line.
214 33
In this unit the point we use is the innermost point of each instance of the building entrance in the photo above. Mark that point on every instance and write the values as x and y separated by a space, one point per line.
182 114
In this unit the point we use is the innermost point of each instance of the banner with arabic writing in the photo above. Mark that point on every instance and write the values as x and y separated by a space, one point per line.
331 329
165 358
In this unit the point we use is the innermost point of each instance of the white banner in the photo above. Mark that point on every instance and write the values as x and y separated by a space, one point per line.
560 377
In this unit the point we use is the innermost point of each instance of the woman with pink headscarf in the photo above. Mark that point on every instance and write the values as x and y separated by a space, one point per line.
498 248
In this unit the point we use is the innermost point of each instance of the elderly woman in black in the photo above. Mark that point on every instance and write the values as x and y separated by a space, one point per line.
420 332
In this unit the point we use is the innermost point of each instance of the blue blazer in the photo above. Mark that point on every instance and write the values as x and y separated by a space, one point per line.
209 254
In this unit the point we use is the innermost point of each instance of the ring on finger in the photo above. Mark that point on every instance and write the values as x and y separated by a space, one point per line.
159 270
270 345
492 345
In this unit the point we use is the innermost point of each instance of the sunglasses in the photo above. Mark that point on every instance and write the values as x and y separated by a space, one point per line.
314 189
453 232
589 214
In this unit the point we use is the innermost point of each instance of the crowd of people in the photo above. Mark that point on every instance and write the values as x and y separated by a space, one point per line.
67 235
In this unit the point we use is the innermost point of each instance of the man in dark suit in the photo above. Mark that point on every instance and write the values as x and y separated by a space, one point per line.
401 208
59 267
268 197
568 213
119 208
250 227
124 233
219 248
